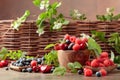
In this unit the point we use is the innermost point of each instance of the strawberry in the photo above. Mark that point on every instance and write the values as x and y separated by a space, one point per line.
72 39
46 68
78 41
33 63
76 47
36 68
103 72
88 72
104 55
1 65
57 47
95 63
67 36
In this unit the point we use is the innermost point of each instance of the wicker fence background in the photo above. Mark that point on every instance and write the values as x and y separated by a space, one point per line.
28 40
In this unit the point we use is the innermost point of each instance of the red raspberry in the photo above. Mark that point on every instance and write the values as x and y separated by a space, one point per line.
78 41
72 39
103 72
101 65
104 55
108 62
88 63
100 60
62 46
57 47
95 63
76 47
67 36
84 40
88 72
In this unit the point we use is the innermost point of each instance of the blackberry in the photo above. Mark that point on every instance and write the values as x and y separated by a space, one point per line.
29 70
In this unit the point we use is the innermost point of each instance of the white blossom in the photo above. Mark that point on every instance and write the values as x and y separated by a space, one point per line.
57 25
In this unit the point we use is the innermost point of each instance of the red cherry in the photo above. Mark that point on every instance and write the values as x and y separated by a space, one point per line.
36 68
62 46
78 41
4 63
103 72
88 72
83 46
1 65
104 55
45 68
57 47
33 63
84 40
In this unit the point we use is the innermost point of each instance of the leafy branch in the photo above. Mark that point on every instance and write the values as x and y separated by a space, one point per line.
109 16
50 14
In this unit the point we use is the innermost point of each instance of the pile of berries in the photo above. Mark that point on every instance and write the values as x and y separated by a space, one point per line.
33 65
72 43
101 63
3 63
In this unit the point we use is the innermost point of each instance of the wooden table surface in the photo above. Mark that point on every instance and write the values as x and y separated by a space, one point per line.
13 75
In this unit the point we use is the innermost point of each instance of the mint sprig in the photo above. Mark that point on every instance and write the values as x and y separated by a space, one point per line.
59 71
16 24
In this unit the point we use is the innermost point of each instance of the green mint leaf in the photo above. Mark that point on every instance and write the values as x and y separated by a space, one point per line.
77 65
112 56
3 53
16 24
66 22
49 46
36 2
93 45
70 65
98 34
59 71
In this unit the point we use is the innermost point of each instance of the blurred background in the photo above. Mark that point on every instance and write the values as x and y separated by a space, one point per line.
11 9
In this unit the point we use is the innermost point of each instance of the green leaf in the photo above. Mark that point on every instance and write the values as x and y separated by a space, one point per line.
70 65
98 34
49 46
3 53
93 45
66 22
59 71
16 24
112 56
36 2
77 65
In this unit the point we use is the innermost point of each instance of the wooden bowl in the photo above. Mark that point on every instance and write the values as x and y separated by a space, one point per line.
66 56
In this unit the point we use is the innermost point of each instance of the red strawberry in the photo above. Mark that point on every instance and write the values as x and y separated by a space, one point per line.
72 39
46 68
33 63
103 72
95 63
57 47
67 36
88 72
36 68
104 55
76 47
88 63
101 65
78 41
108 62
4 63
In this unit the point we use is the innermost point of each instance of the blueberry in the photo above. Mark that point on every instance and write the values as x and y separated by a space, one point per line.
18 61
118 67
70 46
26 63
24 70
39 60
80 71
28 60
29 70
20 65
6 68
67 41
98 74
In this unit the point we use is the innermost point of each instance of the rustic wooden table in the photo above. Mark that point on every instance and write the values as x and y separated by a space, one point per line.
13 75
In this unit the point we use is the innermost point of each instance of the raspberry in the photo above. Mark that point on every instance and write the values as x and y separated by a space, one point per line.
82 46
72 39
103 72
57 47
67 36
76 47
78 41
62 46
88 63
104 55
101 65
88 72
108 62
95 63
